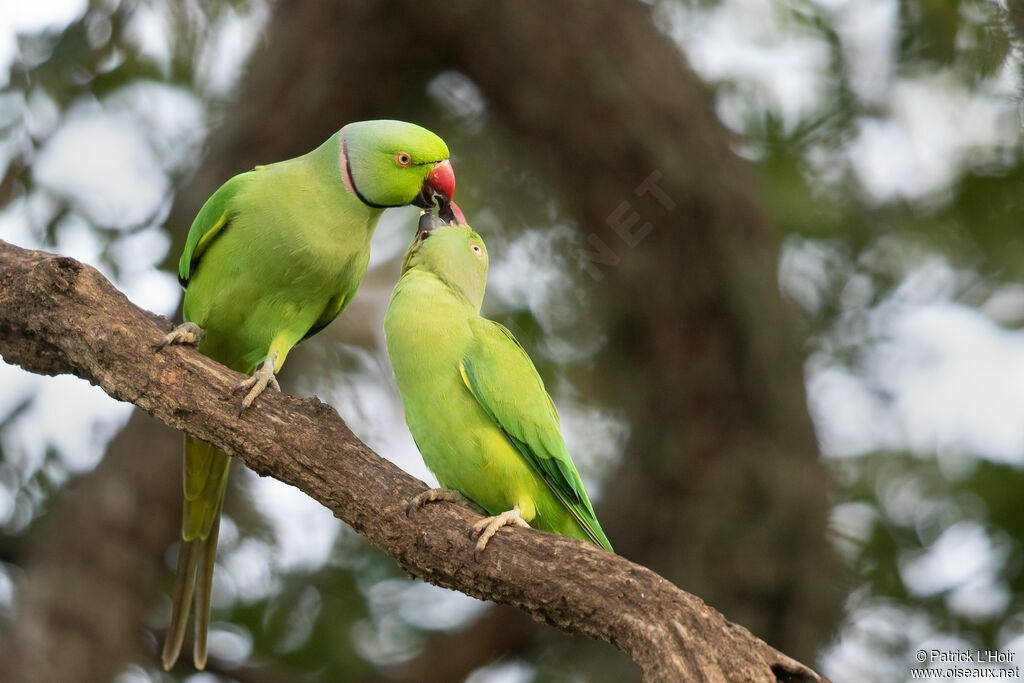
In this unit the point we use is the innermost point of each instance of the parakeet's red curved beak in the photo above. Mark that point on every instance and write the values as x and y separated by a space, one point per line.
442 179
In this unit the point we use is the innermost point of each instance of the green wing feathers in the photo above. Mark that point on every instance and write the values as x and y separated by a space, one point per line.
211 221
506 384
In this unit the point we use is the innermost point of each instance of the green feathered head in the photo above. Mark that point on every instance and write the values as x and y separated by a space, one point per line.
453 251
394 163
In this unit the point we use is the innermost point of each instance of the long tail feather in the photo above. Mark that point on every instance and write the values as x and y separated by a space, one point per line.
205 482
204 582
188 555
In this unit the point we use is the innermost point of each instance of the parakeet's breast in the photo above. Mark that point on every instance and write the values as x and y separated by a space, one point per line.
296 247
427 334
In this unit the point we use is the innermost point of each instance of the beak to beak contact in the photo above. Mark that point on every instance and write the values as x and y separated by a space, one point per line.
440 181
428 222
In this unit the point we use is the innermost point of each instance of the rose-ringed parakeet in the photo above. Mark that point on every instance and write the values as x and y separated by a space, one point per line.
473 400
272 258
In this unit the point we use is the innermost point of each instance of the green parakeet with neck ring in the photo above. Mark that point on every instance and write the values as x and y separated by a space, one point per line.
272 258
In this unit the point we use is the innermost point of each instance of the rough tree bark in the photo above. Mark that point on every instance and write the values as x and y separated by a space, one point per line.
60 316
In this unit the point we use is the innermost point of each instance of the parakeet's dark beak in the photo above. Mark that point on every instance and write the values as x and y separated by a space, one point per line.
440 181
428 222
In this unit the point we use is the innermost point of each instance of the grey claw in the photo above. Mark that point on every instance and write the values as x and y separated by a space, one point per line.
185 333
260 380
486 528
447 495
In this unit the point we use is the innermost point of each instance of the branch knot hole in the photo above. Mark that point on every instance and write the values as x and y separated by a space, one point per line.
63 271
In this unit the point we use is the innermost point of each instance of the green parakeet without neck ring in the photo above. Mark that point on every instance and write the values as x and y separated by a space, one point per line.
272 258
473 400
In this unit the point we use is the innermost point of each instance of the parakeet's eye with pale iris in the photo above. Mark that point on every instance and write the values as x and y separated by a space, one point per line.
477 249
403 159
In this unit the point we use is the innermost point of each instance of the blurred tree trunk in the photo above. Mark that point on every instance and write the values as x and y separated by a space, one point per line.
93 571
720 489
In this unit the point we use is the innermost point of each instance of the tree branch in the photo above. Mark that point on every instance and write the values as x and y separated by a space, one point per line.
60 316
